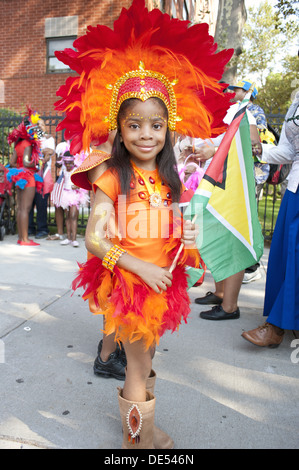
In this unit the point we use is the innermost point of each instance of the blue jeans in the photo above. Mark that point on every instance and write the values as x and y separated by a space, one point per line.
41 204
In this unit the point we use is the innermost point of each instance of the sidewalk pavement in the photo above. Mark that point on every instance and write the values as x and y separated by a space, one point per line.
214 389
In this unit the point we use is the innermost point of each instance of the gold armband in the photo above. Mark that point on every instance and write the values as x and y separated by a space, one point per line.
112 256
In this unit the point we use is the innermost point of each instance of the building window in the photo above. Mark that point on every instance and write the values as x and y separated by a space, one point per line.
57 44
60 33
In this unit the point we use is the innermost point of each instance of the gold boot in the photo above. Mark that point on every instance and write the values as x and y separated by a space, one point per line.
161 439
137 422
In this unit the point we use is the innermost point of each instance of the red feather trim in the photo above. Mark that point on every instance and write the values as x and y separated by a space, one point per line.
19 132
132 310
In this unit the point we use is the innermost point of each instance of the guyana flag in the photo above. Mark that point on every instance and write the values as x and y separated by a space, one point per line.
230 237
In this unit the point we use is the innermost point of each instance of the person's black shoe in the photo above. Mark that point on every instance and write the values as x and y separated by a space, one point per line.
113 367
217 313
209 299
119 350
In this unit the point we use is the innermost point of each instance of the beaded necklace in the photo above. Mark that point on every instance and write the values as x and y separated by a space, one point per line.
155 198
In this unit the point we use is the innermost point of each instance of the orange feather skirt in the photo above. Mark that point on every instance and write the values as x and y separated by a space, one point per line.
132 310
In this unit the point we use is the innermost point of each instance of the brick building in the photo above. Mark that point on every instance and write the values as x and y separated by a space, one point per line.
32 30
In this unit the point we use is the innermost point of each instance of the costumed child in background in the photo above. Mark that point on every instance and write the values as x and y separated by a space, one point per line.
154 83
70 199
25 163
59 212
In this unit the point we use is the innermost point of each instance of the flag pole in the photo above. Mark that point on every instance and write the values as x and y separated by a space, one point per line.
180 250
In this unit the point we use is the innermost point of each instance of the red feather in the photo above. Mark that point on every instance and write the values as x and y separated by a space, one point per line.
131 308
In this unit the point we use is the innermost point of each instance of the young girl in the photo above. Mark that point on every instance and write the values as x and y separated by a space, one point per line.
145 80
72 198
142 148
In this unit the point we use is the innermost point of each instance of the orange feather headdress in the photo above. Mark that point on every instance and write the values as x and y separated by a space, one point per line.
146 54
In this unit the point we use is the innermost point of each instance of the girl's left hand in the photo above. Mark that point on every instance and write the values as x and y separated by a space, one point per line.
190 233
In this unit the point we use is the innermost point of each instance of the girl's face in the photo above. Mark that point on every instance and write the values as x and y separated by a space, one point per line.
143 130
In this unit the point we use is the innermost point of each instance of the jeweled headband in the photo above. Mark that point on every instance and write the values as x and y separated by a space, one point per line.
143 84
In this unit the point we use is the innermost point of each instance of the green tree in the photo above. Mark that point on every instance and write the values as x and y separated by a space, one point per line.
287 8
264 45
280 88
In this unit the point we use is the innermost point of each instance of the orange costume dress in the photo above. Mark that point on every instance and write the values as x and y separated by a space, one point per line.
132 309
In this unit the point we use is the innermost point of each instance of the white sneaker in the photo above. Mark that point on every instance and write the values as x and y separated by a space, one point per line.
250 277
75 244
66 242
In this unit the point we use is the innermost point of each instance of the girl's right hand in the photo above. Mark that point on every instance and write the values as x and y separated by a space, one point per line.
155 277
